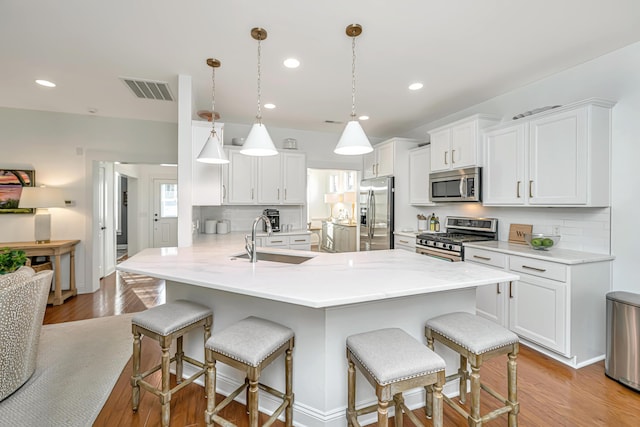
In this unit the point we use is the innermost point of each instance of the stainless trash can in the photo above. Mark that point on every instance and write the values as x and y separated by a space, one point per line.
622 362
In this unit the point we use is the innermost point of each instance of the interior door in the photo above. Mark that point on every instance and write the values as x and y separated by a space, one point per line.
101 220
165 215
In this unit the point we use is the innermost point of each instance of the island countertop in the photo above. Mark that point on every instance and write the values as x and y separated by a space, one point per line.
325 280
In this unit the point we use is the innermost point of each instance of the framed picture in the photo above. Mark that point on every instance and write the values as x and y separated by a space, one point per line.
11 183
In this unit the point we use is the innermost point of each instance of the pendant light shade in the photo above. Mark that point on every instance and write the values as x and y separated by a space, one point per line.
212 151
353 140
258 142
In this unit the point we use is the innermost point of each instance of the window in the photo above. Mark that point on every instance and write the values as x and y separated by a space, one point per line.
168 200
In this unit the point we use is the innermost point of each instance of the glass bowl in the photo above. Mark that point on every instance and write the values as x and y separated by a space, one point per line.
540 241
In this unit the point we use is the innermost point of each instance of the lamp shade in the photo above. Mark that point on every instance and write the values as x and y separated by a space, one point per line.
353 140
41 197
349 197
332 198
259 143
212 151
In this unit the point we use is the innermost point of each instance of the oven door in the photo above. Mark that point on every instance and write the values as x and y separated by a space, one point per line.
438 253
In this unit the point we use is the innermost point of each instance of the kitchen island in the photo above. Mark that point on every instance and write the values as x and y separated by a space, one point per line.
324 299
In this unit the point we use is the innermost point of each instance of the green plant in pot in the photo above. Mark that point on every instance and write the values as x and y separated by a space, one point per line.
11 260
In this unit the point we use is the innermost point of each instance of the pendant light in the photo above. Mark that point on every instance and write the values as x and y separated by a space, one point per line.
259 142
353 140
212 151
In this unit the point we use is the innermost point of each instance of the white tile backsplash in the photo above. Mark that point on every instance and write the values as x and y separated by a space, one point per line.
241 217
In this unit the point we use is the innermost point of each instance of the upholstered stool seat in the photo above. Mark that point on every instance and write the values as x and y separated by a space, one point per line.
165 323
250 345
393 362
477 339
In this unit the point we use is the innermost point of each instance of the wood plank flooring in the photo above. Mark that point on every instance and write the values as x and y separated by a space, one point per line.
550 393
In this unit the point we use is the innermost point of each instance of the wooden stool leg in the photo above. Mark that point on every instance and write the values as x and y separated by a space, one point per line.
437 401
351 392
210 387
179 356
383 413
165 396
288 361
135 391
513 389
252 403
428 407
398 419
462 371
475 396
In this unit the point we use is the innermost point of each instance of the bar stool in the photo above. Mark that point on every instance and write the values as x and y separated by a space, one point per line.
250 345
393 362
164 323
477 339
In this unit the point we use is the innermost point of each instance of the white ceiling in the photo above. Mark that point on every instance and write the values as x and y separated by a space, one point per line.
464 51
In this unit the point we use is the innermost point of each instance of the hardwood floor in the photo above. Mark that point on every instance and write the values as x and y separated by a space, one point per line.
550 393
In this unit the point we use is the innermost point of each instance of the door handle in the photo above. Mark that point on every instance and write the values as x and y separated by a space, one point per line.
498 288
530 190
445 157
510 289
453 158
518 189
104 228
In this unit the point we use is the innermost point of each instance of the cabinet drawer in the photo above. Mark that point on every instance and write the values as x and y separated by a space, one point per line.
535 267
403 242
481 256
276 241
300 239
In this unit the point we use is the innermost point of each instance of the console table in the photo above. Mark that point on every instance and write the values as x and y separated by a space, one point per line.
55 249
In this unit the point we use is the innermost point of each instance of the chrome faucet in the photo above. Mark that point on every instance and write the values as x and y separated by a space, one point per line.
250 246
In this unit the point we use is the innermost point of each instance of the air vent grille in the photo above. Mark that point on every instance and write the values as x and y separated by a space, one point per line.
333 122
148 89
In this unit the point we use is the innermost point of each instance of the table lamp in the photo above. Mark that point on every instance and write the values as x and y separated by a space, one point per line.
41 198
350 197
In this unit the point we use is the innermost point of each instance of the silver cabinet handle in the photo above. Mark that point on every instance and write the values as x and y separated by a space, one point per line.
276 241
484 258
224 192
453 157
518 189
403 241
541 270
445 157
285 194
278 194
252 194
299 240
498 288
510 289
530 190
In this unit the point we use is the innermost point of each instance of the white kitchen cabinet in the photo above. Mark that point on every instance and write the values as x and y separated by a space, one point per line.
294 241
459 144
560 157
382 161
271 180
419 169
404 242
338 237
206 183
556 308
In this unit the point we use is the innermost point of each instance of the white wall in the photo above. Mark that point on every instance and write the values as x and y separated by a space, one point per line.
615 77
62 149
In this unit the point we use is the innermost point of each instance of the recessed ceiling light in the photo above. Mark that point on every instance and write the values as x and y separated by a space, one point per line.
270 106
46 83
415 86
291 63
363 118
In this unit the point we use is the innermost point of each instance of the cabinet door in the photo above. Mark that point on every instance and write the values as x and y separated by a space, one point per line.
464 142
538 312
440 152
294 178
504 167
206 178
242 178
369 165
491 303
404 243
419 168
385 159
558 159
269 183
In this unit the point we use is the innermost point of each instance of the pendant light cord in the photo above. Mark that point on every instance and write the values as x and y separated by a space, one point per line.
213 100
353 78
259 116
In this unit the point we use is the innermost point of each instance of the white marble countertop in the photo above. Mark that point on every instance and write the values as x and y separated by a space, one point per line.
559 255
326 280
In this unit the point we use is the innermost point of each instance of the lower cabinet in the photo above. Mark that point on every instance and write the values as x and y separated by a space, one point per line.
338 237
301 242
404 242
554 306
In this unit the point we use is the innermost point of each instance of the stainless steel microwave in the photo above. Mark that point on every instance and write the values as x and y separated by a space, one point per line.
460 185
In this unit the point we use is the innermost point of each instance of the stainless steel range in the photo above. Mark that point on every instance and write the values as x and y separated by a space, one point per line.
449 245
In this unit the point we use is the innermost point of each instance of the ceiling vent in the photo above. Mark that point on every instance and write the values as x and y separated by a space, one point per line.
333 122
148 89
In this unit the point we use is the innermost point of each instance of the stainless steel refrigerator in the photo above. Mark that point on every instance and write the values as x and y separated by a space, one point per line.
376 214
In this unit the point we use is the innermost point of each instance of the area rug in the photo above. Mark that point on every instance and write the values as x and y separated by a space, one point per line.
78 364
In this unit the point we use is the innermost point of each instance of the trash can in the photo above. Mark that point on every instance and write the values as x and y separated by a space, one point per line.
622 362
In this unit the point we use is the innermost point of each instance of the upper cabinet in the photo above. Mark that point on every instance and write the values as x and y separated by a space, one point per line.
272 180
206 187
560 157
419 169
384 157
459 144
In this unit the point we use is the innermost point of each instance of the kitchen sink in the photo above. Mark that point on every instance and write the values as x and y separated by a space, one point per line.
288 259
